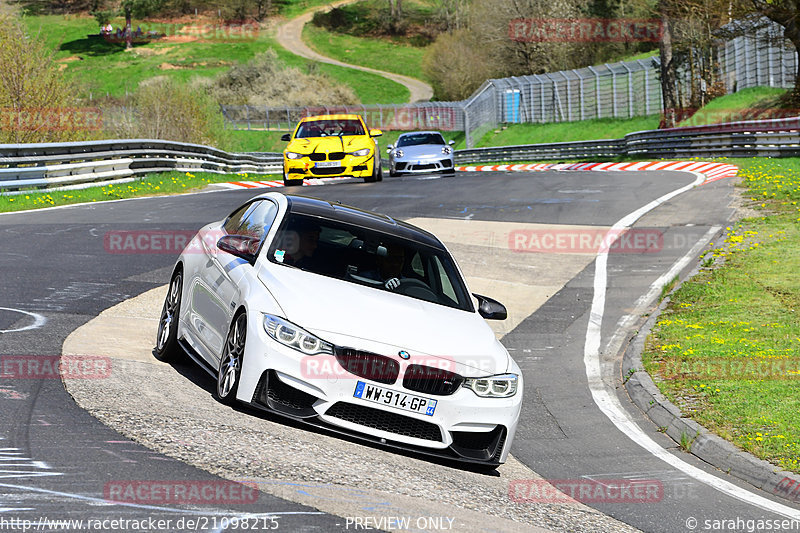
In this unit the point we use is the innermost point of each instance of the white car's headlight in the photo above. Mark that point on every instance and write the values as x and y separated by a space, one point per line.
360 153
503 386
447 150
398 153
293 155
295 337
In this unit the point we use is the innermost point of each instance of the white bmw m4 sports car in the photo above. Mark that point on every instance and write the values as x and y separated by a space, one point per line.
348 320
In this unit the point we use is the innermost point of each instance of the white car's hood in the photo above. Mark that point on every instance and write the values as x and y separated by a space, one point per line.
339 310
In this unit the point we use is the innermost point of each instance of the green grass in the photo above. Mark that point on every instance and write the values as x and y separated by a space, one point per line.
747 104
100 68
604 128
370 88
381 54
727 349
293 8
150 185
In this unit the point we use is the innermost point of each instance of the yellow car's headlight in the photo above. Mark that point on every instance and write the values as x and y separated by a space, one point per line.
293 155
360 153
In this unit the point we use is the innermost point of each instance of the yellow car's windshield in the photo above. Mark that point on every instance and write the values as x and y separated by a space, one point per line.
325 128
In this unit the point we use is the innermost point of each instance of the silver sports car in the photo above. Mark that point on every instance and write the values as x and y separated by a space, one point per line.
420 152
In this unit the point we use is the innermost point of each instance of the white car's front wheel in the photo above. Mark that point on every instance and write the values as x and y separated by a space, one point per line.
167 338
230 365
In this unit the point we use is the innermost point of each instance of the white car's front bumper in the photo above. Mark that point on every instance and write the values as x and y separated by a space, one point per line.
317 389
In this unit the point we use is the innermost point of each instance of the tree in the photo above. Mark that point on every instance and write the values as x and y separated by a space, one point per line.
36 103
138 9
668 66
785 13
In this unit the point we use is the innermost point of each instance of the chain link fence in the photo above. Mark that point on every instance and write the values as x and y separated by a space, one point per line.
759 57
443 116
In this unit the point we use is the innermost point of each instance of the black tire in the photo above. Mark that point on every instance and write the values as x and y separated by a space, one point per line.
230 365
167 347
291 182
392 173
380 172
376 169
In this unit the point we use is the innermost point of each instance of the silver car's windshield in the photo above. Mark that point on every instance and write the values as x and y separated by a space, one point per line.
371 258
420 138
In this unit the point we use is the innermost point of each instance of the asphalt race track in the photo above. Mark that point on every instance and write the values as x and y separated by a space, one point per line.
57 461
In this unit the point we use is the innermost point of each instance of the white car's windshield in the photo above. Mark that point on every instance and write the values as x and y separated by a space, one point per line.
367 257
415 139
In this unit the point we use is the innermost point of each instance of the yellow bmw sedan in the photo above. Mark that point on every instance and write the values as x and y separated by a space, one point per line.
326 146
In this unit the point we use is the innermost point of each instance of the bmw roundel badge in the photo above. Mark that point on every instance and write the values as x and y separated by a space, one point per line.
404 354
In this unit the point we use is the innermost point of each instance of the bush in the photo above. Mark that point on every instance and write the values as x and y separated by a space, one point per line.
36 103
264 81
456 65
162 108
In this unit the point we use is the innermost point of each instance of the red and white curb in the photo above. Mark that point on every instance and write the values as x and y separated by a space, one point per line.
278 183
712 171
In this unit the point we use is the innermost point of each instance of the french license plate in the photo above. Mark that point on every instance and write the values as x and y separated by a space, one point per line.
327 164
401 400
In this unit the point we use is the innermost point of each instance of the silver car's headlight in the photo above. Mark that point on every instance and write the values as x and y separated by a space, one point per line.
360 153
447 150
293 155
295 337
502 386
398 153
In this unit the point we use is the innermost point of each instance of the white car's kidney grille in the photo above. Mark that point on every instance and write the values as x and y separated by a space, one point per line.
368 365
385 421
430 380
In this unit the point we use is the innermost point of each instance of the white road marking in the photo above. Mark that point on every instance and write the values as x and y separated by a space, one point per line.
608 403
38 320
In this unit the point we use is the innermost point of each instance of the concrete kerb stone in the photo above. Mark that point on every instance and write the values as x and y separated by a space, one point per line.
701 442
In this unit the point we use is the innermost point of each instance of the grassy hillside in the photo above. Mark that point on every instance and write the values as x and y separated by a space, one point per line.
381 54
101 68
604 128
747 104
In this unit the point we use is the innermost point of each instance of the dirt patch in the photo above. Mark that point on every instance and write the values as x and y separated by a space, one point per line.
70 58
740 204
180 38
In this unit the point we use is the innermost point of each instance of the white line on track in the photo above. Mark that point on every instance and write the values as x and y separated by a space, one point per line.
607 401
38 320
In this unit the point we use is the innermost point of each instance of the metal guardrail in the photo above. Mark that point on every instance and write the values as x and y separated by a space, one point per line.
755 138
80 164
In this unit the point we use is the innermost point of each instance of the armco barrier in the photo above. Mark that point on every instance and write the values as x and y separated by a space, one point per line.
765 138
79 164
